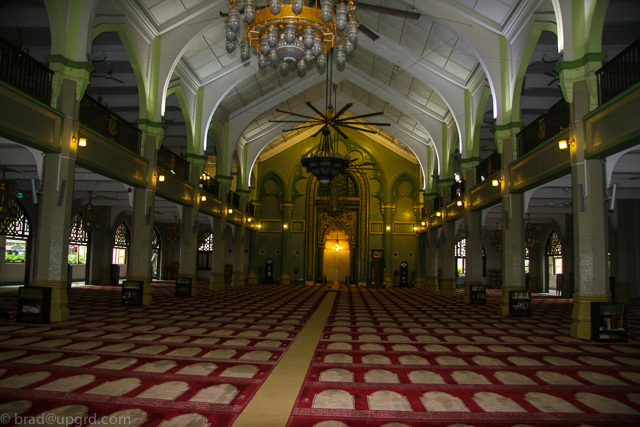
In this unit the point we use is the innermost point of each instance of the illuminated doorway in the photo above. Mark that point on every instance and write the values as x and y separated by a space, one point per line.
337 255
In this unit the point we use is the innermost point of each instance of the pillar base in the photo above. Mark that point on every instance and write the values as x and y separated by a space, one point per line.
147 299
253 277
581 315
59 299
467 289
431 284
448 287
238 278
419 281
534 284
388 281
285 278
217 282
504 301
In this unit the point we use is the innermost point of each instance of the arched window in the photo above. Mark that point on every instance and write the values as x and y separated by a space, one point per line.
155 253
78 241
16 230
461 254
204 251
554 262
121 244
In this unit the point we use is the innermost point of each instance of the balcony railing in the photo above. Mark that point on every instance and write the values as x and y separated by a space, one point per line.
251 209
100 119
488 167
457 189
233 199
172 163
619 74
210 185
24 73
550 123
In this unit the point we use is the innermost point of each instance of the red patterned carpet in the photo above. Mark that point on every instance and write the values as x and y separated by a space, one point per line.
387 358
408 358
182 361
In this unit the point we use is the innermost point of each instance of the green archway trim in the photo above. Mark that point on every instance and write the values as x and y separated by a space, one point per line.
473 149
398 180
130 50
60 59
182 101
595 24
279 180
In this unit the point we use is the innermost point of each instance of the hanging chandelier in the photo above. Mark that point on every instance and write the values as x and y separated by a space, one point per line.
531 234
8 201
173 233
90 218
292 33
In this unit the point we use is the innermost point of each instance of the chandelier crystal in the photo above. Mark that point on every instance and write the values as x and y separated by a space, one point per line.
292 33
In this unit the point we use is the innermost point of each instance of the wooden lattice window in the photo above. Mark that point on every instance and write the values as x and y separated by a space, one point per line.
207 242
461 249
77 235
345 184
122 239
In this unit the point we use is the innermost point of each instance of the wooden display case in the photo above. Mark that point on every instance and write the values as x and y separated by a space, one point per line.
34 304
132 293
495 278
478 295
183 286
608 322
519 304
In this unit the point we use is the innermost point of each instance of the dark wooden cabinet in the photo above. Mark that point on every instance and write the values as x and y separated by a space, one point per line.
377 268
34 304
478 295
132 293
495 278
608 322
183 286
519 304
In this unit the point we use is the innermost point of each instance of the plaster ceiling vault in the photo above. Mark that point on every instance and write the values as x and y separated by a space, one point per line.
417 72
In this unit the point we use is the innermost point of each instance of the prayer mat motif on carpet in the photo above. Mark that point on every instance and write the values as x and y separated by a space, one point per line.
407 358
181 361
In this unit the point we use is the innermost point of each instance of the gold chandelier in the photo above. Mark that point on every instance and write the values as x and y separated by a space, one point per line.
292 33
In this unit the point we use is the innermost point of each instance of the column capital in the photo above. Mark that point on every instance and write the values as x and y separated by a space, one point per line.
224 179
582 69
65 68
150 128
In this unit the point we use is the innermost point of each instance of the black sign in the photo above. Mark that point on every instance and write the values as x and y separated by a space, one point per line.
183 286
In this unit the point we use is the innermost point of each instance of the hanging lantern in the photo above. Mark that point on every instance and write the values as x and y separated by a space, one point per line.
231 46
326 7
173 233
272 37
264 45
352 31
263 61
348 47
249 11
302 65
234 19
341 16
308 56
290 33
322 60
275 6
316 49
309 35
90 218
341 56
296 6
245 53
496 239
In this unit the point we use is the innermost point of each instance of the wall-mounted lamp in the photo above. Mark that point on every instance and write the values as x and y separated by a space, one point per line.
423 223
161 178
563 144
495 182
460 203
230 211
248 219
415 228
388 228
438 214
285 226
203 198
259 225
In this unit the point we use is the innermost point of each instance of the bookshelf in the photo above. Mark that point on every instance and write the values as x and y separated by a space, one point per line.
608 322
478 295
183 286
519 304
34 305
131 293
495 278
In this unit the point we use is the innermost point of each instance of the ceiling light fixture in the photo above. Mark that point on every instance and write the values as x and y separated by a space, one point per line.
292 33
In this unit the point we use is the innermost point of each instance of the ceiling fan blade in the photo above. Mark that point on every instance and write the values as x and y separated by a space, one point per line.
118 80
316 110
291 121
319 130
345 108
379 113
362 124
360 129
302 127
388 11
367 32
295 114
342 134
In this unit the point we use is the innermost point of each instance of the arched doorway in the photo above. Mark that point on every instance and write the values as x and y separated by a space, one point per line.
553 261
336 263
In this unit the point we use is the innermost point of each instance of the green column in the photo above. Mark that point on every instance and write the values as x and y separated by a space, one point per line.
285 274
387 242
